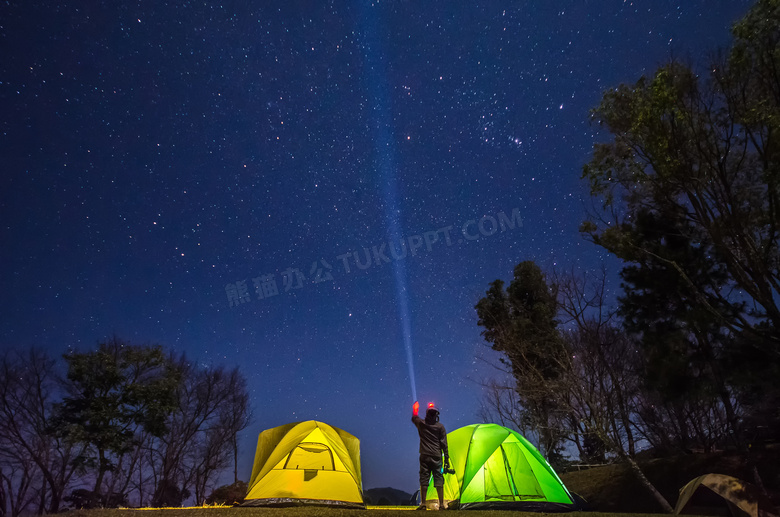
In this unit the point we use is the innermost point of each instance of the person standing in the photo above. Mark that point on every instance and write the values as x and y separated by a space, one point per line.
433 446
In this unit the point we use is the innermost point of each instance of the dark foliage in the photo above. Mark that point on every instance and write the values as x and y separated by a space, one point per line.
228 494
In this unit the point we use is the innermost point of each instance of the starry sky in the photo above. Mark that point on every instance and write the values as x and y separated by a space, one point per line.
316 192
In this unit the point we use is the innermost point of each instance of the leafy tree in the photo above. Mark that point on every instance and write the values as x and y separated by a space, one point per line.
126 419
228 494
521 323
113 392
697 154
701 150
683 343
579 383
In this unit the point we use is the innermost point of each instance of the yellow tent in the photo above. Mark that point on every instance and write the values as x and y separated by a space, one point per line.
306 463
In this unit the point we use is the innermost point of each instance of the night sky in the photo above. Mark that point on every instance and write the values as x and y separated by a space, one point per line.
315 192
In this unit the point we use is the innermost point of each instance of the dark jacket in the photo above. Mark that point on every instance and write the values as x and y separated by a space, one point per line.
433 438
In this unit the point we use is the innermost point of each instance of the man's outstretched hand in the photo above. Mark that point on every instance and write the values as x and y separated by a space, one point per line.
416 408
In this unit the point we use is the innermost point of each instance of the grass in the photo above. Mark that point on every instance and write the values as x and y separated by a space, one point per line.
611 490
614 488
312 511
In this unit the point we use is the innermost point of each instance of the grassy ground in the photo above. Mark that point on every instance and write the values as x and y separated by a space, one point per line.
615 489
612 491
311 512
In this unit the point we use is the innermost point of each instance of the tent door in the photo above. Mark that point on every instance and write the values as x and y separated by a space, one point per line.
507 475
310 456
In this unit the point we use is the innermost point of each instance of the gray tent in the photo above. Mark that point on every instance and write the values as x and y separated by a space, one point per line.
738 498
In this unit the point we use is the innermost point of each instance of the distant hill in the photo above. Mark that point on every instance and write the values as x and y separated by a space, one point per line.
613 488
386 497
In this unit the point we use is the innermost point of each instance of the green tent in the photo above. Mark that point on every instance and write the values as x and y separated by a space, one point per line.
496 468
306 463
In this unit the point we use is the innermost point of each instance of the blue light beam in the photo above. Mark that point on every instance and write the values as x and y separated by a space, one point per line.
385 149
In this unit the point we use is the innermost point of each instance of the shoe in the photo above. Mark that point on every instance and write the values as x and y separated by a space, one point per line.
421 507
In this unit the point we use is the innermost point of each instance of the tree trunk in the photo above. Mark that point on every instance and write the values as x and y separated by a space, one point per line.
648 485
3 495
235 458
42 503
56 490
101 473
141 483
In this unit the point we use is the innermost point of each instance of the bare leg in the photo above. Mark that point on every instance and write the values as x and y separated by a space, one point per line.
423 494
440 492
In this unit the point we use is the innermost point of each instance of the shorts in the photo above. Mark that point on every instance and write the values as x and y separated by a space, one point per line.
430 465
